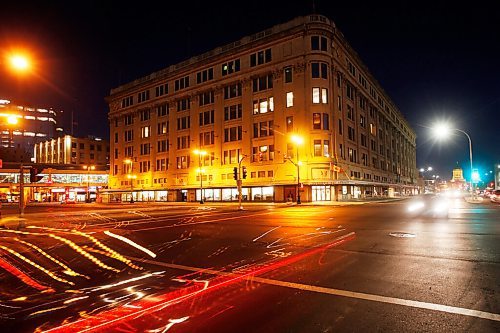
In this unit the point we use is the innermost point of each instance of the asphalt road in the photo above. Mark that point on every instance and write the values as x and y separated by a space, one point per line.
407 266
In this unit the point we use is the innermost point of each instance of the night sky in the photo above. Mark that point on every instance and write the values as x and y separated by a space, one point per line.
436 60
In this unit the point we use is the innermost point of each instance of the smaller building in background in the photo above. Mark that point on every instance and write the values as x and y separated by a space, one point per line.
458 181
21 127
73 151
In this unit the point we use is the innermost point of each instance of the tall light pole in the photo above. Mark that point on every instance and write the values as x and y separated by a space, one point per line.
88 168
20 64
443 131
298 140
130 177
200 154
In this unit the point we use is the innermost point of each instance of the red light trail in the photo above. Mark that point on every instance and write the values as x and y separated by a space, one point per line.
150 305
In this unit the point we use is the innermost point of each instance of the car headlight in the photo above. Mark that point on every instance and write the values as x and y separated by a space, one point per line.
416 206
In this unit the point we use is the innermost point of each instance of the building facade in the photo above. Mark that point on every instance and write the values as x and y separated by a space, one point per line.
31 125
71 150
187 126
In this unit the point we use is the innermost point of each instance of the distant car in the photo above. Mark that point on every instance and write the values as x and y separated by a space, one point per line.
428 205
495 196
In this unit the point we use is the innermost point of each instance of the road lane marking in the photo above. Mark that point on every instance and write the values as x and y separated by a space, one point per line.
342 293
382 299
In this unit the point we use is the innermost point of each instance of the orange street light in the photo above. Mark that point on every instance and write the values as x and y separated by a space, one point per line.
19 62
12 120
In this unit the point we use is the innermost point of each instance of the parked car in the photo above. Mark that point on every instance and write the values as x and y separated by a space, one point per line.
495 196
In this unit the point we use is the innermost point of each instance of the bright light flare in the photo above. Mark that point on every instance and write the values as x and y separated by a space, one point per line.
200 152
297 139
415 206
441 130
441 206
12 120
19 62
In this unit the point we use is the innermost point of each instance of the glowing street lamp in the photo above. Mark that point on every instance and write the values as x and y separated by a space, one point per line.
298 141
200 153
12 120
443 131
19 62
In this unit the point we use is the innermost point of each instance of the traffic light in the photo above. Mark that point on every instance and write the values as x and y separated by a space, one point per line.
244 172
235 173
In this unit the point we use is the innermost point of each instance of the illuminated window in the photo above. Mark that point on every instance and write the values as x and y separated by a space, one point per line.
324 95
316 120
145 132
289 99
316 94
263 105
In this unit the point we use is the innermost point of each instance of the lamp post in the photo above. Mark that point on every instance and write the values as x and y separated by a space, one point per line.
88 168
442 131
19 63
131 177
298 140
200 153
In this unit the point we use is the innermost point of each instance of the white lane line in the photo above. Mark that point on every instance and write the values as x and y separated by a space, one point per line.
383 299
343 293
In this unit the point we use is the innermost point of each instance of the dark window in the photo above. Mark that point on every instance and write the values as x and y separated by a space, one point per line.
288 74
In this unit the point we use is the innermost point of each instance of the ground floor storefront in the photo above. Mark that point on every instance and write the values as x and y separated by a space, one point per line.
275 193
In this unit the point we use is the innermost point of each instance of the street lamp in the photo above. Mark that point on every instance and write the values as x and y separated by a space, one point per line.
11 120
88 168
298 140
200 153
131 177
443 131
19 62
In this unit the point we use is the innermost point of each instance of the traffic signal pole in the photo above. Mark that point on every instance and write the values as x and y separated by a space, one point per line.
239 182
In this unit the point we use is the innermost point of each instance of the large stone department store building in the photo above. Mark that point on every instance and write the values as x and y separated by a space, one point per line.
243 102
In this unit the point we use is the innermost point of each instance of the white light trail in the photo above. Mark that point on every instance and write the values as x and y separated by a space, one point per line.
131 243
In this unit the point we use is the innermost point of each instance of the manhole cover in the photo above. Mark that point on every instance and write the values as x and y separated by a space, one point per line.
402 235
